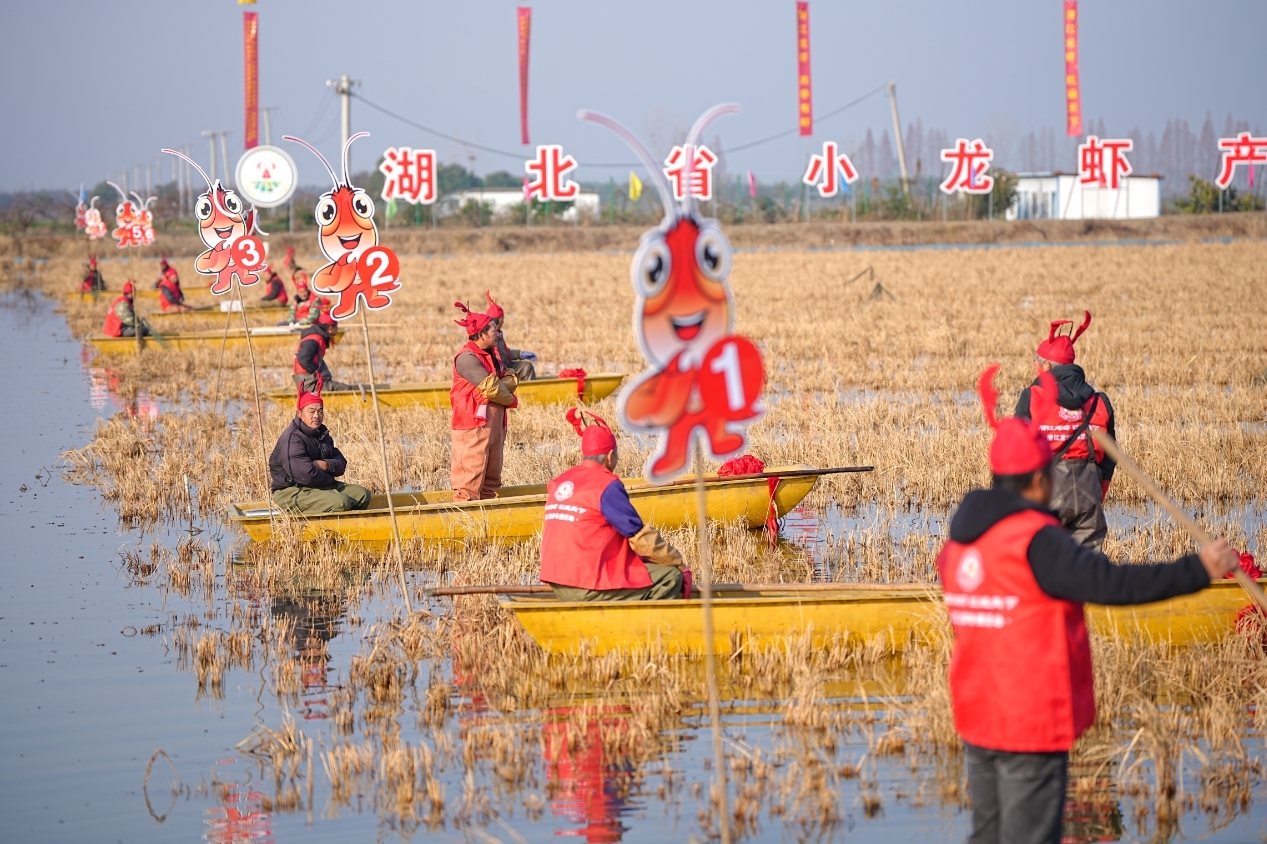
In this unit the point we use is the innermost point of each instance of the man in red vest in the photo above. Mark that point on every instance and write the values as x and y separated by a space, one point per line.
311 373
515 360
594 545
275 291
170 296
1081 471
481 394
121 319
93 281
305 308
1014 582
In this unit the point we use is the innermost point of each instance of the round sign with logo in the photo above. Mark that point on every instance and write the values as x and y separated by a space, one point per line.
266 176
564 492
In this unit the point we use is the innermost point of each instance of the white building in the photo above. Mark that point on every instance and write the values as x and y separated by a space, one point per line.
1059 196
503 201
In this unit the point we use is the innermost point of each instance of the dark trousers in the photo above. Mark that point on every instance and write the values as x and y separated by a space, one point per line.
130 331
1017 798
1075 496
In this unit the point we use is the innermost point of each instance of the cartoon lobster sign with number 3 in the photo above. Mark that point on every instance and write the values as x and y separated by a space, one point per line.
228 231
704 381
359 268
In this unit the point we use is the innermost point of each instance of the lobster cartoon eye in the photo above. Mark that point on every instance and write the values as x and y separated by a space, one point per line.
327 211
202 208
123 209
231 202
651 267
362 204
712 253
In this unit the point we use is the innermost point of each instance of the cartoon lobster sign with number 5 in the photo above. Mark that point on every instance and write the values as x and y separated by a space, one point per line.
359 268
227 229
705 381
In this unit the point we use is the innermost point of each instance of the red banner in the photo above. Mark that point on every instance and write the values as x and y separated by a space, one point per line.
251 52
525 29
1073 90
805 104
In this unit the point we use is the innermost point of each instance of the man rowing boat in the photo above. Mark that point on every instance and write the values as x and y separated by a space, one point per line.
170 295
121 319
305 308
1015 581
275 291
93 281
594 545
305 465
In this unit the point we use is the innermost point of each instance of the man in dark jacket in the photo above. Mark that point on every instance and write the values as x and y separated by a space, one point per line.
1014 582
305 463
275 291
311 373
1081 471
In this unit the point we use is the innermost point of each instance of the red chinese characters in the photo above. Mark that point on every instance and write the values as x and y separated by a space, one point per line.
1104 162
411 175
1073 88
826 170
1243 149
548 175
971 160
701 179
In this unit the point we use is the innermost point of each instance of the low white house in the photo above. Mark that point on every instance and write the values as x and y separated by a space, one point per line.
502 201
1060 196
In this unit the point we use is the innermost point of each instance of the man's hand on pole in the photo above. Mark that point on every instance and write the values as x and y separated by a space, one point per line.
1219 558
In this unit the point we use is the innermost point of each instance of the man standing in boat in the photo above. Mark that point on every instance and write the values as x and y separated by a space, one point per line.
1015 581
594 545
481 395
312 375
93 281
121 319
513 360
305 466
1081 471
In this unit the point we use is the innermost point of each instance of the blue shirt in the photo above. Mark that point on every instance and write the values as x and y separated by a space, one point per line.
618 510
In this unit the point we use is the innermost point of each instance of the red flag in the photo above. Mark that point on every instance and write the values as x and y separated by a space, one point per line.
250 51
525 28
752 184
805 105
1073 90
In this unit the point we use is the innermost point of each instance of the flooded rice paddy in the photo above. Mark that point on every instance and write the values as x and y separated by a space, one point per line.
152 692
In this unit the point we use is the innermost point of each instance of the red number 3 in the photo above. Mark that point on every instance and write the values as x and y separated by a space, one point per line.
248 252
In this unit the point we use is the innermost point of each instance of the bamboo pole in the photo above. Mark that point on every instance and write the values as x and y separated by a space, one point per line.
387 480
255 381
224 341
1198 533
745 588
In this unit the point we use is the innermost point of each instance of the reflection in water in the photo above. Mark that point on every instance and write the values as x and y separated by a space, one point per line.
315 618
587 788
240 817
103 391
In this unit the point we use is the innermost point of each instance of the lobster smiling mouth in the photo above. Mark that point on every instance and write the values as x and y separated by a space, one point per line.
350 242
224 233
688 327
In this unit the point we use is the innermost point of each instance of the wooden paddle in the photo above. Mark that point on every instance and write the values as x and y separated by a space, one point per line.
542 588
1198 533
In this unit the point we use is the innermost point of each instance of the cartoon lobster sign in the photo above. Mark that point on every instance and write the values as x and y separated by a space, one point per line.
227 229
704 381
94 226
359 268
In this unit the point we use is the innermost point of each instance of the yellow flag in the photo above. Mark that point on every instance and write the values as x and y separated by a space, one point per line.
635 186
246 2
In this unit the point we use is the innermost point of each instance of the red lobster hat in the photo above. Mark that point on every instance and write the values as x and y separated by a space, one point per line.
306 398
324 318
596 438
92 260
301 280
495 310
128 288
474 322
1059 349
1019 446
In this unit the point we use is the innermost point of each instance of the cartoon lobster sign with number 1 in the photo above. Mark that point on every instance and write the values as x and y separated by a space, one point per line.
359 268
704 381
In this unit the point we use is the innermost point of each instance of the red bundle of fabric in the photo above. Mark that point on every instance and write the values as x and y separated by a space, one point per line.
749 464
579 374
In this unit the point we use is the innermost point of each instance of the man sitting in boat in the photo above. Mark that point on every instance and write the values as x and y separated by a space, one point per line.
121 319
513 360
312 375
305 308
93 281
1014 581
594 545
170 296
481 397
275 291
305 465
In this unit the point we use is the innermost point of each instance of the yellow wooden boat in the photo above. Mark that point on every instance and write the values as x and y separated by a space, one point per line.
272 315
517 512
436 393
261 338
145 294
889 615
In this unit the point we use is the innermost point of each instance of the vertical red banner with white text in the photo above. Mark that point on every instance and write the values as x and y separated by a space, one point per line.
804 99
525 30
251 54
1073 88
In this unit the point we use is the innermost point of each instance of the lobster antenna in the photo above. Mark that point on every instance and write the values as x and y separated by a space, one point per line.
194 163
657 175
122 195
692 137
93 203
139 202
347 180
329 169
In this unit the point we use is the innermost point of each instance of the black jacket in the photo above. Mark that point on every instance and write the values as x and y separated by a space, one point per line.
1064 569
309 354
1074 393
291 464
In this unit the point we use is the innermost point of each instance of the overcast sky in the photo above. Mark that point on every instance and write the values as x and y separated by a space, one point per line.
94 87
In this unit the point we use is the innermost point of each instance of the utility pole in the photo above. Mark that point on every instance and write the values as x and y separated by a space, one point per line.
343 87
224 156
901 151
211 135
268 123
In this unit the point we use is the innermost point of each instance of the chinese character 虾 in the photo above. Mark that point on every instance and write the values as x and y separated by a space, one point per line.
1104 162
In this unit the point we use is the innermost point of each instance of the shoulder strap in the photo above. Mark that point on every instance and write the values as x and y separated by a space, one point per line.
1084 428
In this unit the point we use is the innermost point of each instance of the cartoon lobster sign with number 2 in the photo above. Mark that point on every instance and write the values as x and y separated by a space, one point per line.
704 381
227 229
359 268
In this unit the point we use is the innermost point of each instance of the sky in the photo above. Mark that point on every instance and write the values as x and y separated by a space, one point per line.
96 87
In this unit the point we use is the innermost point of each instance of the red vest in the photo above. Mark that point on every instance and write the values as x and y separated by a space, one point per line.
277 289
322 344
302 308
173 288
465 399
113 326
1059 424
578 547
1020 672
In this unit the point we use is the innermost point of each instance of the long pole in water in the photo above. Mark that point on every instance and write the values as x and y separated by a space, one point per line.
382 448
710 666
1198 533
255 381
224 341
